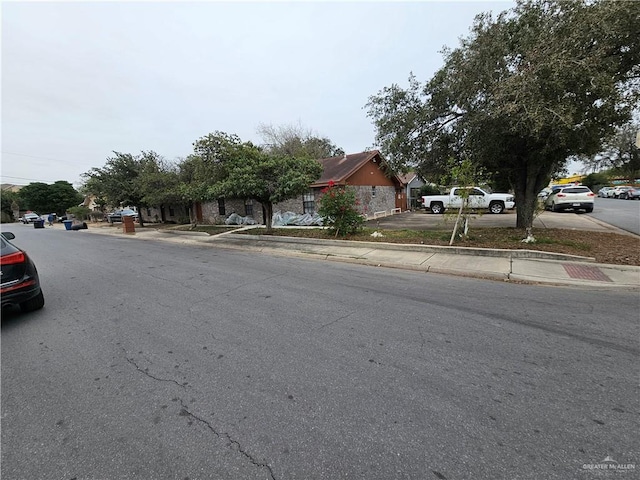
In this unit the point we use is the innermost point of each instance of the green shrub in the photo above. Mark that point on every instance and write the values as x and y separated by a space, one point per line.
81 213
338 207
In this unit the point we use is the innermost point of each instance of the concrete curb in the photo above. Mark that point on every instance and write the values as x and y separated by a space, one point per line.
486 252
184 232
515 266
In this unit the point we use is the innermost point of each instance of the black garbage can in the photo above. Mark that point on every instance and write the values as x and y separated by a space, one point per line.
38 224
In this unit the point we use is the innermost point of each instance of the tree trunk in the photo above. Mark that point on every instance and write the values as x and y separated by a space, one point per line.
193 220
526 185
139 208
455 227
268 206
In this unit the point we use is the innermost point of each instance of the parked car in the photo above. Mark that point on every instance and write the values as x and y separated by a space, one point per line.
615 193
631 194
118 214
545 192
572 197
477 199
602 193
30 217
20 283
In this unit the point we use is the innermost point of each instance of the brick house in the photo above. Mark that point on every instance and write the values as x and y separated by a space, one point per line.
377 189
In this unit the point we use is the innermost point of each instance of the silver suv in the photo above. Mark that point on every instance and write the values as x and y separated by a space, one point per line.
30 217
572 197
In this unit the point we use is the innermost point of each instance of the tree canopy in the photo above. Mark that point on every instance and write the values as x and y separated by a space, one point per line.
222 165
250 172
9 201
126 179
158 180
541 82
44 198
297 141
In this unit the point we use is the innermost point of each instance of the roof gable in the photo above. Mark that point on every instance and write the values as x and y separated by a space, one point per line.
339 169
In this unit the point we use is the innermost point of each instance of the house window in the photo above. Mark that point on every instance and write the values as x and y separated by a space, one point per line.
221 209
248 208
309 202
171 212
373 191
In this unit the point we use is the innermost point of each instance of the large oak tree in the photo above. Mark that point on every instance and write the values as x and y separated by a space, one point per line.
522 93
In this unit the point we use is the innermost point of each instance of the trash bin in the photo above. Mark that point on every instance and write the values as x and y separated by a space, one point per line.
127 225
80 226
38 224
67 224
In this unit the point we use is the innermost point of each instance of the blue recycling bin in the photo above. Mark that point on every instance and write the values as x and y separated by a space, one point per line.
38 224
67 224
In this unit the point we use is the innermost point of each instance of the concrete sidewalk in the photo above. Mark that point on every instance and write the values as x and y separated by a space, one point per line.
524 266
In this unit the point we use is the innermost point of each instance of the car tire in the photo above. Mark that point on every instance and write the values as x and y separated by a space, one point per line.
554 208
33 304
437 208
588 209
496 207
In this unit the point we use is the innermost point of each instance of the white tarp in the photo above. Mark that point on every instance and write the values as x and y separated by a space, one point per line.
235 219
289 218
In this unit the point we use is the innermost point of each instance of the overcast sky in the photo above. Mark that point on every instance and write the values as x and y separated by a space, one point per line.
83 79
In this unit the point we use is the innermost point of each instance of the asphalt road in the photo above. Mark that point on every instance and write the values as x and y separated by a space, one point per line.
157 361
624 214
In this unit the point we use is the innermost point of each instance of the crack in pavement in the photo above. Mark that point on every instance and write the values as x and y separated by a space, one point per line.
335 321
218 434
145 372
185 412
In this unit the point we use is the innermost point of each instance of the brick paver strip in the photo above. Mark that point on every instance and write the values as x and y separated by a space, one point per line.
585 273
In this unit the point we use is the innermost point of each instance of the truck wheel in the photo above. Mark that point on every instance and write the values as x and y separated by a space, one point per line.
496 207
437 208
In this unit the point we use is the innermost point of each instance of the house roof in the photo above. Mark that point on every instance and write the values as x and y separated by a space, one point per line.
411 177
407 178
339 169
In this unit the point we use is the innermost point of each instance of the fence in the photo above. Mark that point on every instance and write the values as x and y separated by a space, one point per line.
383 213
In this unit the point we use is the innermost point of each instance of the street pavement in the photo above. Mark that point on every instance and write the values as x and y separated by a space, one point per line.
524 266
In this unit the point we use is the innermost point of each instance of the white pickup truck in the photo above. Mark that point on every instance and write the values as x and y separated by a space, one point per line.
478 199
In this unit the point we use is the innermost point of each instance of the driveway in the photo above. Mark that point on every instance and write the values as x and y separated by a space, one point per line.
421 220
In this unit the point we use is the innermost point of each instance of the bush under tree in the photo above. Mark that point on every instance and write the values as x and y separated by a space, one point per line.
339 209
